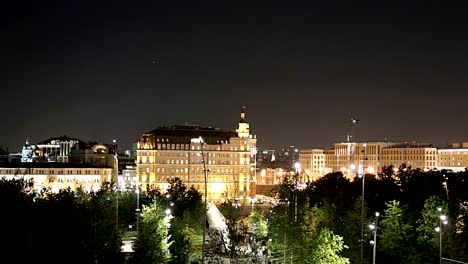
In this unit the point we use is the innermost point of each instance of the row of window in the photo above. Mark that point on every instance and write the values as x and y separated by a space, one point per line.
77 180
193 154
51 172
408 158
450 158
193 179
194 170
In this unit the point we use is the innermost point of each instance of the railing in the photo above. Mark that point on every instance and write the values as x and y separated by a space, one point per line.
452 261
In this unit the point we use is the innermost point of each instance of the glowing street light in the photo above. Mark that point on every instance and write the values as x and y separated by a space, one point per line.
373 227
443 220
297 166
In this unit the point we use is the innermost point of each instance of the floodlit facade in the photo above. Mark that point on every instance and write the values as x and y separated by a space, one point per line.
454 157
184 151
353 158
55 176
423 157
66 149
312 163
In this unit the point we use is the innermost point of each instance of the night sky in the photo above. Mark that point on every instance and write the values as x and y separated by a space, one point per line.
115 69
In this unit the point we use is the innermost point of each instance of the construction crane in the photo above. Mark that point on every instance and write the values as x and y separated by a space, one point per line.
353 122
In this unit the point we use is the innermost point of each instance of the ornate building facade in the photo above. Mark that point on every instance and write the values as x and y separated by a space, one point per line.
191 152
54 176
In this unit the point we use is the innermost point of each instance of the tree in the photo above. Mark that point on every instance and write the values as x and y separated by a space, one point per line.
352 231
397 235
180 242
258 224
104 237
152 244
430 220
326 249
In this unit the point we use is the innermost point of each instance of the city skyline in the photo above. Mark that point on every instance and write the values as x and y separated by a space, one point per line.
113 70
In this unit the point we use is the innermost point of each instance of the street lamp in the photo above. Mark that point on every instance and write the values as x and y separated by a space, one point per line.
206 200
443 220
446 186
362 211
138 205
374 242
362 202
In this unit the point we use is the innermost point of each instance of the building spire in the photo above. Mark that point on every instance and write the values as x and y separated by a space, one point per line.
243 129
242 115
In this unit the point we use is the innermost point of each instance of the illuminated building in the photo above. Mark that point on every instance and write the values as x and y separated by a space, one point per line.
66 149
352 158
422 156
312 162
268 179
53 176
454 157
176 152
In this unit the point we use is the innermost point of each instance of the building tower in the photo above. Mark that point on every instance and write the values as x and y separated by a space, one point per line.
243 129
27 153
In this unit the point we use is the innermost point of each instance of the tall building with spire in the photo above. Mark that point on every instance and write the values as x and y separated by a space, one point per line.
184 151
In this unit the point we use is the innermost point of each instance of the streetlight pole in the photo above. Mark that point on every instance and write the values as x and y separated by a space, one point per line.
138 206
446 186
206 201
374 227
117 210
442 220
362 206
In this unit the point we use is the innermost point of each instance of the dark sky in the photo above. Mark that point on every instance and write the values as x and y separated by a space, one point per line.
85 69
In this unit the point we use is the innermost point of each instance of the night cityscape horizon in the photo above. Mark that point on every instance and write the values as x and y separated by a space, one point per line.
112 71
266 132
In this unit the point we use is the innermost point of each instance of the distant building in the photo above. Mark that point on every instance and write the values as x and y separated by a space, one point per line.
423 156
313 162
53 176
353 158
454 157
286 158
265 158
182 151
4 155
66 149
268 179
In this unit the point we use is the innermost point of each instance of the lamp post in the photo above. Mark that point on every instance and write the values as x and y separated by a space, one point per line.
362 207
206 200
138 206
297 165
446 186
442 220
374 228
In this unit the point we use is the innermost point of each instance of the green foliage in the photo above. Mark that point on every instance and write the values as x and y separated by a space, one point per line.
397 233
258 224
352 231
84 222
180 241
186 204
153 241
326 248
430 220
